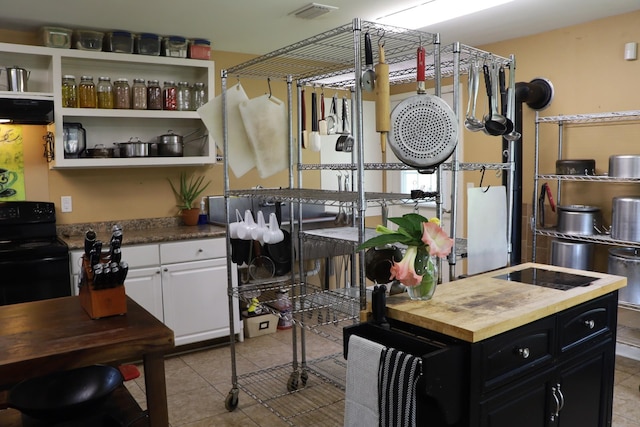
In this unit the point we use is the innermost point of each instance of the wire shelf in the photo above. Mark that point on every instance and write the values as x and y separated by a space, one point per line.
596 238
312 307
596 178
320 401
592 118
320 197
327 59
401 166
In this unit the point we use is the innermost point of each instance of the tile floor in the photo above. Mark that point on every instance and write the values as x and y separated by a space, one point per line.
198 383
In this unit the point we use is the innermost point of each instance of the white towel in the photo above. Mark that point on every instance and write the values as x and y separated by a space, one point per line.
361 395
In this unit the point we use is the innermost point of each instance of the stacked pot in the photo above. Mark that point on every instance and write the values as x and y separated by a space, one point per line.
625 226
576 220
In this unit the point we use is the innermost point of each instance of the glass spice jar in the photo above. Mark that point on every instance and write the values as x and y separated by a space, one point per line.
184 96
139 95
69 91
87 96
169 96
199 95
105 92
122 94
154 95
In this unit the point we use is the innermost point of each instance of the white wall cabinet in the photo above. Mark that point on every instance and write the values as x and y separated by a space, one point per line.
48 65
183 284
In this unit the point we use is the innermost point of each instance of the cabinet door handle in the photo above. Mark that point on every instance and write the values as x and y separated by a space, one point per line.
590 324
524 352
165 269
558 399
200 251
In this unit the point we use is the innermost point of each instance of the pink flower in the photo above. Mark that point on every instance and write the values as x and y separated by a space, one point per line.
404 271
433 236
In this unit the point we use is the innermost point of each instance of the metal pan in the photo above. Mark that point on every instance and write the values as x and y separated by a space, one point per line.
424 129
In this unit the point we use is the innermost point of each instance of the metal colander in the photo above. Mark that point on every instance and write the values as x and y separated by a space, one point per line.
423 131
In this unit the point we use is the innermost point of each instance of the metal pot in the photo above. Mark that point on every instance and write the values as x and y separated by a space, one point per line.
100 151
625 223
565 253
579 219
626 262
133 148
576 167
624 166
17 79
170 145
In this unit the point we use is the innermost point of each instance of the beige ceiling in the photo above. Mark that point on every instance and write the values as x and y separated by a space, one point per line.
259 26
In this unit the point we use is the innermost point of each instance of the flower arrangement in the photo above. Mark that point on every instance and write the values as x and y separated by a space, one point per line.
424 239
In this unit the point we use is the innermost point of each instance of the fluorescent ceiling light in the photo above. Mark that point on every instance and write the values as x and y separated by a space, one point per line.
434 11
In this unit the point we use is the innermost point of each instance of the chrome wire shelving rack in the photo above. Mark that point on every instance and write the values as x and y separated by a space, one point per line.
334 60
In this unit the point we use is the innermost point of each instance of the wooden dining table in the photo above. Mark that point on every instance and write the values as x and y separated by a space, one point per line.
42 337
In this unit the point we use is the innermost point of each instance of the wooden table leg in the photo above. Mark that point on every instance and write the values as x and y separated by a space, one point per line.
156 389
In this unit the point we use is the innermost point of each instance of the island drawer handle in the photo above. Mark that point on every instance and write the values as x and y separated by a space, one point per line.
524 352
590 324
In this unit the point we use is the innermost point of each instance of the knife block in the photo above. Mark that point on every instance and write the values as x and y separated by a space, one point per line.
100 303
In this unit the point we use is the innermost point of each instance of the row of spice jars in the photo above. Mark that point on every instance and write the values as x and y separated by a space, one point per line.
138 96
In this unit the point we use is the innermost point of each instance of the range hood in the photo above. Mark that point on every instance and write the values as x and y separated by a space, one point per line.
26 111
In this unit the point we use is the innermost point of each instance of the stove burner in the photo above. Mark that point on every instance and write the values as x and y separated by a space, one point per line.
548 278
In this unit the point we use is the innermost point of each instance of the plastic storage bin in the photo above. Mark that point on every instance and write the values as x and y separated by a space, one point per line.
87 40
118 41
199 49
174 46
147 44
56 37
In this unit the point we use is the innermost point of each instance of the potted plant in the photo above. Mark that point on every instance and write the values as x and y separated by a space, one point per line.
186 194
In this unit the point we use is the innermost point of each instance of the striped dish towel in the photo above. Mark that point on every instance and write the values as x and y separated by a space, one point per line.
397 378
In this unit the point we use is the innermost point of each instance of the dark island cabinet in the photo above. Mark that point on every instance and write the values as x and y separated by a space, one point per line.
555 372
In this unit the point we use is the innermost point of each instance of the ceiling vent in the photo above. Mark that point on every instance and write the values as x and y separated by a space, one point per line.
312 11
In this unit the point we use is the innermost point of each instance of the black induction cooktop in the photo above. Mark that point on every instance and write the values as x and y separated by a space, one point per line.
548 278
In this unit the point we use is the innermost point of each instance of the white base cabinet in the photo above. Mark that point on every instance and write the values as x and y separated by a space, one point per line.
183 284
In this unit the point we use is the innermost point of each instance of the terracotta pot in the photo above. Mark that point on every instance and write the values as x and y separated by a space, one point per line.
190 216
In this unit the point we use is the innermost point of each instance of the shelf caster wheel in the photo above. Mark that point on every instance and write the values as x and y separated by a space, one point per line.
292 384
304 377
231 402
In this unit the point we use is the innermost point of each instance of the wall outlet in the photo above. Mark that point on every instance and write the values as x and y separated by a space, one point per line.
65 204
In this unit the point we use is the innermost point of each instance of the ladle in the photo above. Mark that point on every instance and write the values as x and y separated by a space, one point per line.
494 123
471 122
513 135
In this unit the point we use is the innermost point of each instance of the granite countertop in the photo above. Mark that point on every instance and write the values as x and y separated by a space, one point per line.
134 232
483 306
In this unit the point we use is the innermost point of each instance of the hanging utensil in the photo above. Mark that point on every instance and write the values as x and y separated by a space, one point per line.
314 142
304 137
503 102
493 122
514 135
369 76
332 118
471 122
424 129
345 141
322 123
383 106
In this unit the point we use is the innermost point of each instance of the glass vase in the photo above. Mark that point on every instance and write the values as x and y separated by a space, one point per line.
425 265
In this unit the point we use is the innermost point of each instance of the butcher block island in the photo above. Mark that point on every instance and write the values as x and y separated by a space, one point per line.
531 345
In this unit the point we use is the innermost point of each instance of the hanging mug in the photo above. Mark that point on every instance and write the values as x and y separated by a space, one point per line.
234 226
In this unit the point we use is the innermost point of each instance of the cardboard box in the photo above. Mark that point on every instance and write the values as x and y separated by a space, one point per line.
260 325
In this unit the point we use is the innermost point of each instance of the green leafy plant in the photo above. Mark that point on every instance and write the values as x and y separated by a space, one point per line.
189 190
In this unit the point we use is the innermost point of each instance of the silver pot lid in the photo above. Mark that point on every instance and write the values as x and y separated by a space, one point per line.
627 253
578 208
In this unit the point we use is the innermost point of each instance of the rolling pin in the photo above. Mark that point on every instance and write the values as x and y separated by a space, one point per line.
382 98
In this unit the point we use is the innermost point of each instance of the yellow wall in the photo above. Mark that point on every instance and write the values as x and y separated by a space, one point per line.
584 62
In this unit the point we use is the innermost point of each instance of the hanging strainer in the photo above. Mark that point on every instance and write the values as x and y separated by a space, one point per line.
424 129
